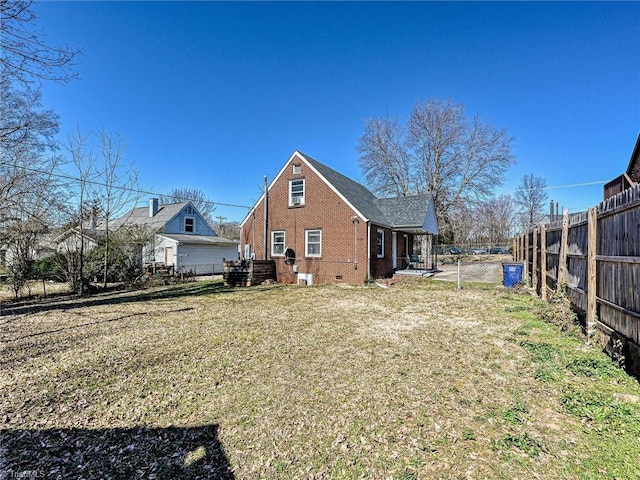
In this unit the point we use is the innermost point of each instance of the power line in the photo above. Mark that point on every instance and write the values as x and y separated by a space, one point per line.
585 184
128 189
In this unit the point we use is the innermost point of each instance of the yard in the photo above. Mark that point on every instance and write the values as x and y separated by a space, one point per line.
419 380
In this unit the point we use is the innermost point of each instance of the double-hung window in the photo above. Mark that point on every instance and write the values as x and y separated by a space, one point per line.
313 243
296 192
277 242
380 243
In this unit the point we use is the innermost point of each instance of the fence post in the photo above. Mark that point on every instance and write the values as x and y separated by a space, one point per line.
526 259
562 260
591 273
543 262
520 246
534 261
459 286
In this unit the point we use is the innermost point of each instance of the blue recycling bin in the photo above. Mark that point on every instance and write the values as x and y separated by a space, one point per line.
512 274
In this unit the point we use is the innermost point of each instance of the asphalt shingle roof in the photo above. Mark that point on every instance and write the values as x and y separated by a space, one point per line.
410 211
140 216
199 239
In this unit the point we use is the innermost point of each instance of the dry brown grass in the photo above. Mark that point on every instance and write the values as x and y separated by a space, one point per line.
197 381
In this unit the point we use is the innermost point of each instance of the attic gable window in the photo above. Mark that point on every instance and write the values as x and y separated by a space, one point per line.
297 169
189 224
296 192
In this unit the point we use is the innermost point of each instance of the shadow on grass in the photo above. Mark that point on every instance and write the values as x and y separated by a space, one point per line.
114 453
114 298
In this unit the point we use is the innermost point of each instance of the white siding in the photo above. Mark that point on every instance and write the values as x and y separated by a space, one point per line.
161 243
176 224
205 259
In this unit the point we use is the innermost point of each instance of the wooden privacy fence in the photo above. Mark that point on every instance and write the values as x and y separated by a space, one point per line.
594 258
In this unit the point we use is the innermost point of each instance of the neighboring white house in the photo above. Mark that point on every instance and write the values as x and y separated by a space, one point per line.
183 238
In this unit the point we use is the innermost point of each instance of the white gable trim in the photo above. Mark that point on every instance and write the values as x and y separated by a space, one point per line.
303 158
330 185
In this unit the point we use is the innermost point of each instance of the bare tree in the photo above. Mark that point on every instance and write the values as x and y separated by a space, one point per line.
27 146
28 157
457 159
531 199
205 206
230 230
116 187
384 158
84 162
26 226
106 187
497 219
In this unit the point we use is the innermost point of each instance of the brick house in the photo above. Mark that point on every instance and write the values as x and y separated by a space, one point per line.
629 179
323 227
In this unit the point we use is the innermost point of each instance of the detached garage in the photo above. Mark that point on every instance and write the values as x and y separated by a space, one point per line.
199 254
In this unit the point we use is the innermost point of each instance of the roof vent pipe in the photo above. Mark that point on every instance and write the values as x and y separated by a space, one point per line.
153 207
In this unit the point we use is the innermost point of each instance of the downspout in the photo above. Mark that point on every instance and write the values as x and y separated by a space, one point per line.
266 216
368 250
356 221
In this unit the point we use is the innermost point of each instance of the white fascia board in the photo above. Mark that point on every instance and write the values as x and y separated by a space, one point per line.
330 185
301 156
278 175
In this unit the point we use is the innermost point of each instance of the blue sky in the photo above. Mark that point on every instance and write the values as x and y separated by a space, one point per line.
215 95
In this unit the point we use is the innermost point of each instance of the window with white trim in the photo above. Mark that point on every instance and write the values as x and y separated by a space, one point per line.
313 243
380 243
277 242
189 224
297 169
296 192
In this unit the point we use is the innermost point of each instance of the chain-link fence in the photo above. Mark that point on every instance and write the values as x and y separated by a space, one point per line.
486 272
480 272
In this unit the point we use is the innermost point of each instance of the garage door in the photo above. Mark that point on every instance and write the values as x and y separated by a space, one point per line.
204 259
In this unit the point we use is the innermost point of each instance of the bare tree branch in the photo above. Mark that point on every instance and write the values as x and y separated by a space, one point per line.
26 58
458 160
531 198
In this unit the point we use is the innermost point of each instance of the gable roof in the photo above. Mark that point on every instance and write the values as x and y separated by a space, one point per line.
415 212
140 216
200 239
357 195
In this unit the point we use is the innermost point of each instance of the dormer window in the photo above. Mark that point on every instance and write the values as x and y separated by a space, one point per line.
296 192
189 224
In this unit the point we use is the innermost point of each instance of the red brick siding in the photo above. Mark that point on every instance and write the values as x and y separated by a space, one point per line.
381 267
342 243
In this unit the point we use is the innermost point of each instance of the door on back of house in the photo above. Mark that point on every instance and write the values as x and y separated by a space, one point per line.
168 255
